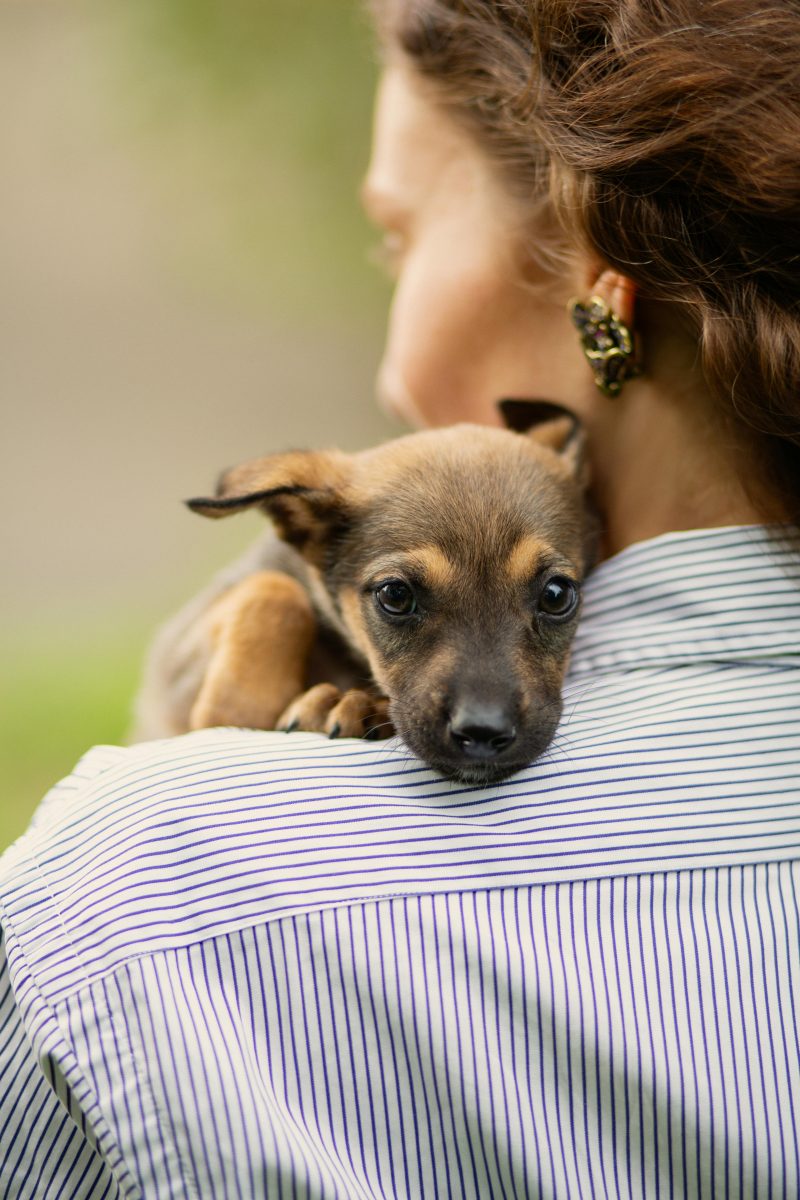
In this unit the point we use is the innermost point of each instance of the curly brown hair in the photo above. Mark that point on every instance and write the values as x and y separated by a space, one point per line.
665 135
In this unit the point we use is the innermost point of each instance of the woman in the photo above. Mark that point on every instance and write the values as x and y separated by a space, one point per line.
253 965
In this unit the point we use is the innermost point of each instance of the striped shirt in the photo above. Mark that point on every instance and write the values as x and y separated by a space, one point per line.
241 964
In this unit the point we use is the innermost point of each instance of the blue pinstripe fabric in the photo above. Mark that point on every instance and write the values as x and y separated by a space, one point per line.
249 965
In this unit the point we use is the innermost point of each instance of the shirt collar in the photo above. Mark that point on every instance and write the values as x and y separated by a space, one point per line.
728 594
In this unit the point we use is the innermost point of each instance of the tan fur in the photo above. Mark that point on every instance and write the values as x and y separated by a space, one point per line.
436 567
554 434
356 627
296 637
372 468
325 709
322 470
524 559
354 621
261 634
428 561
310 711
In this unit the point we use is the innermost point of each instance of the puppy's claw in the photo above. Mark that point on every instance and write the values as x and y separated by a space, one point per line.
325 709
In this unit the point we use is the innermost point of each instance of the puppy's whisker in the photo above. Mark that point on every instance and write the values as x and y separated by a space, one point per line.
577 696
561 741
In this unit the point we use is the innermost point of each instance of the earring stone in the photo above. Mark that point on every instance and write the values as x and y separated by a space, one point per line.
607 343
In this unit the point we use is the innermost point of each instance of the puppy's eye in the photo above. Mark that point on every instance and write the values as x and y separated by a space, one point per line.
396 598
559 598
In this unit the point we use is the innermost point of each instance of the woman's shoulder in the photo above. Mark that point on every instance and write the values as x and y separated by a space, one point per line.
677 749
153 847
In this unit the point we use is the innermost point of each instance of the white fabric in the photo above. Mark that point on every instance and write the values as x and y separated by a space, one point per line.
240 964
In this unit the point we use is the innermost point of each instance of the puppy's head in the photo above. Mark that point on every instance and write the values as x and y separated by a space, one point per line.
453 560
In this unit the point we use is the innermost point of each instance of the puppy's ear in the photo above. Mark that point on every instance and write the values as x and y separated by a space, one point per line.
553 426
302 492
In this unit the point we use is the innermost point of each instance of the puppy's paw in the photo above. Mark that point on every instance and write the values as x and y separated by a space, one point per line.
359 714
324 709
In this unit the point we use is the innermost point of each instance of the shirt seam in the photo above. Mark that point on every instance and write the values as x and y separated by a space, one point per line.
190 1185
56 1009
376 898
128 1187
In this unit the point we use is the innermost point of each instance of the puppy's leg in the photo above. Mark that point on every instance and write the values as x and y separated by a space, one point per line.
262 631
325 709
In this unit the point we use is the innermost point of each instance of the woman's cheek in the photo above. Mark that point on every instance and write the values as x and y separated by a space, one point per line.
433 372
397 370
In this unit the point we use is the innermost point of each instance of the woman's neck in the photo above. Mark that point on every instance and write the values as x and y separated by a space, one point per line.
661 465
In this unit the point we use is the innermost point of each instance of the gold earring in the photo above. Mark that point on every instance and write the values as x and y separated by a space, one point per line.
607 343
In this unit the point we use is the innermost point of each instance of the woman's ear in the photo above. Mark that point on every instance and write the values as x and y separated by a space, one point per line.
302 492
618 291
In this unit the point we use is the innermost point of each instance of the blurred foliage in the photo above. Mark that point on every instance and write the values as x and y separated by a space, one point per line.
263 108
59 694
258 113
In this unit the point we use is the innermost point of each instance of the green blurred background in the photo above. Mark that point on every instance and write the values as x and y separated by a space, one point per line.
185 283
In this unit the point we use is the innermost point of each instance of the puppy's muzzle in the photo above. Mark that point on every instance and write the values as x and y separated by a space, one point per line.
481 732
480 737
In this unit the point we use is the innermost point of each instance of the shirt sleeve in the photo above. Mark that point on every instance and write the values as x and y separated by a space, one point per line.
47 1145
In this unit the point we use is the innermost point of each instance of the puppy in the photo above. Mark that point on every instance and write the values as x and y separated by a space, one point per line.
430 586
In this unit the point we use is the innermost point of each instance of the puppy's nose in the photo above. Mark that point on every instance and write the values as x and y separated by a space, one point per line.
481 730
